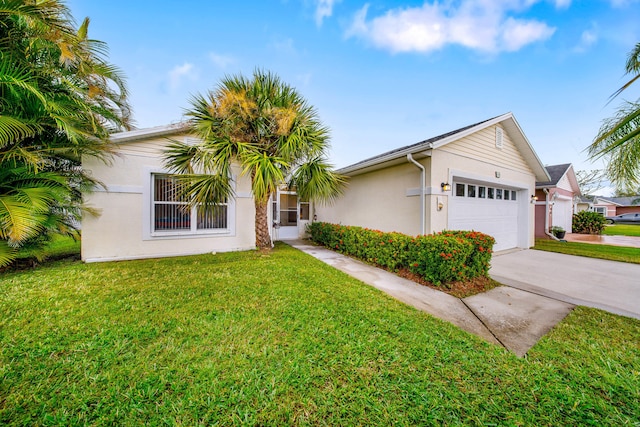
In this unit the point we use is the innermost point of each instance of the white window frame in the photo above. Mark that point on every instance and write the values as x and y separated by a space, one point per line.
148 231
602 210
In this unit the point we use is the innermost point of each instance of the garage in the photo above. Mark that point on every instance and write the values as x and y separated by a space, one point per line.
488 208
562 213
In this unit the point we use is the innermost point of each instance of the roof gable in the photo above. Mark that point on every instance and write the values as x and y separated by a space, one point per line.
558 173
423 148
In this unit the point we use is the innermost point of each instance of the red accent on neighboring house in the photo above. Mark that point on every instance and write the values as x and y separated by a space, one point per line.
627 209
539 215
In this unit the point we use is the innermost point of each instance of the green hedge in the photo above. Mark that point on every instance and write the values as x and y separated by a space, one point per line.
439 258
587 222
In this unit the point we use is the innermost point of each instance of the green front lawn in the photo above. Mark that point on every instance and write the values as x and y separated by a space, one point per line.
281 338
622 230
610 252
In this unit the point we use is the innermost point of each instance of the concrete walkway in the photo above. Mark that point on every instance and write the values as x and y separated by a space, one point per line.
510 317
607 285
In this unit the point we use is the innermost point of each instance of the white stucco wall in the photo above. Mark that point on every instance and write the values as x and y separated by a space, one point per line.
386 199
123 228
379 200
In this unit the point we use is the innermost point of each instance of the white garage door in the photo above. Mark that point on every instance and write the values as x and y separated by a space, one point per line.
486 208
562 213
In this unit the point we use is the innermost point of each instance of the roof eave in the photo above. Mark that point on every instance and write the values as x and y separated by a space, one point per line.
158 131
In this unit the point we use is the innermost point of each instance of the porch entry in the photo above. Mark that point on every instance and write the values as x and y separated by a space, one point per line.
290 215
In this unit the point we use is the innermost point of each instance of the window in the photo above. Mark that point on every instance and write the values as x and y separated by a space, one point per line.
482 191
498 193
471 191
171 212
460 190
506 194
602 210
513 194
490 193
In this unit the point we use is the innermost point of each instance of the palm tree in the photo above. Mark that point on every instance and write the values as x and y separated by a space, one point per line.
619 136
270 130
59 101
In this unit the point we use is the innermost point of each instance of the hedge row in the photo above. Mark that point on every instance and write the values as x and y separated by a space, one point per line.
439 258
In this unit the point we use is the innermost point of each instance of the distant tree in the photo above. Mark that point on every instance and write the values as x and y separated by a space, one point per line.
59 101
270 130
590 181
618 140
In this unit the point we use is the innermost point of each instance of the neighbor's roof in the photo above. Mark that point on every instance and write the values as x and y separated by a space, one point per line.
622 201
422 149
556 172
134 135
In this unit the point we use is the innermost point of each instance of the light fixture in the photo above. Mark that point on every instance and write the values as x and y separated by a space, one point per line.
445 187
534 198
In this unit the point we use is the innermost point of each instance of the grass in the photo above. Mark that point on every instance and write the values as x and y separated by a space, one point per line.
613 253
281 338
622 230
59 247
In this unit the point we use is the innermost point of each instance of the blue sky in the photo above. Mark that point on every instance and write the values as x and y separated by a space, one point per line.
385 74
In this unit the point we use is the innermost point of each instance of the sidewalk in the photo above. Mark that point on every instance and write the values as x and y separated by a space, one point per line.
505 316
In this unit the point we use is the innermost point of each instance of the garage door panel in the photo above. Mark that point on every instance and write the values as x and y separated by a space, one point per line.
498 218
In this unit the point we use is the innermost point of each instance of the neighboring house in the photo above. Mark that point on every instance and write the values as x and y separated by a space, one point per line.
481 177
557 199
610 206
141 215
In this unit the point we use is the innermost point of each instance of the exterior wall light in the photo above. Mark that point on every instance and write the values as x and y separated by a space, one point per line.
534 198
445 186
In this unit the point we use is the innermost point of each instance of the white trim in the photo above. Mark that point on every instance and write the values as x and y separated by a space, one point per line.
147 202
168 255
131 189
484 179
134 135
413 192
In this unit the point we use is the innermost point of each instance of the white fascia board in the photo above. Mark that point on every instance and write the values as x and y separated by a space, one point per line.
391 159
137 134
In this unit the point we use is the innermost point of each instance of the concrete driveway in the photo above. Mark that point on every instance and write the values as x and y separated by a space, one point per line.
607 285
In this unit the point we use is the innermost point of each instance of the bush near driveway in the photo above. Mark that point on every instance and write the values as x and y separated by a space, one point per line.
439 258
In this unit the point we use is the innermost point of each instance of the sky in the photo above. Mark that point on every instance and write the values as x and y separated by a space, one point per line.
384 74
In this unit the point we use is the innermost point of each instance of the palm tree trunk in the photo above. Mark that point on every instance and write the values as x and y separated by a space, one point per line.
263 239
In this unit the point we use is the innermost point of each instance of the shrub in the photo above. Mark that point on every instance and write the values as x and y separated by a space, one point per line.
440 258
587 222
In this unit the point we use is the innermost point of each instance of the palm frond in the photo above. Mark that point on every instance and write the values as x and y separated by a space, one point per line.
316 180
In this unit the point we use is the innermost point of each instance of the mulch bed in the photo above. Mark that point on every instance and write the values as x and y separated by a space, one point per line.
457 289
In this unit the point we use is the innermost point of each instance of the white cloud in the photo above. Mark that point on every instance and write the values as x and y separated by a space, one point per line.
179 73
482 25
562 4
324 9
587 39
221 61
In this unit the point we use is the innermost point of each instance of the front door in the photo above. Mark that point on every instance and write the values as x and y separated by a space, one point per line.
287 215
290 215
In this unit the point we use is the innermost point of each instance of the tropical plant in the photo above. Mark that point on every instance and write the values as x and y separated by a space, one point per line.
268 128
59 101
588 222
618 139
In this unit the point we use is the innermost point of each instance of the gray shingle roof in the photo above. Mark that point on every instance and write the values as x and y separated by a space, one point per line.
556 172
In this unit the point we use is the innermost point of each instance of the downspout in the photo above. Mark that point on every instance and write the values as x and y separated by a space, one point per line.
422 179
546 215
